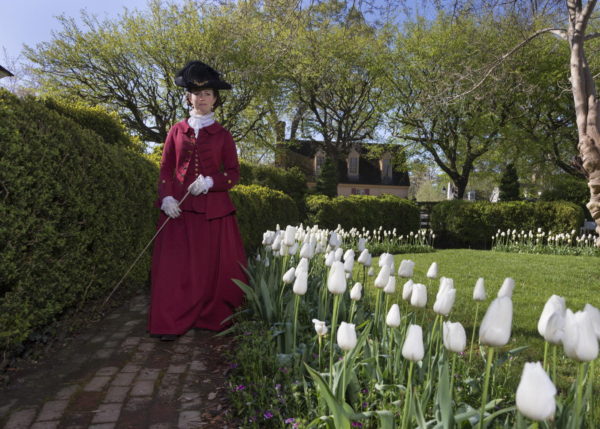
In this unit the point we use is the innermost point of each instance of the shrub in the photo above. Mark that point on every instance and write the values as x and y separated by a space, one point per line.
568 188
260 209
289 181
460 223
75 212
358 211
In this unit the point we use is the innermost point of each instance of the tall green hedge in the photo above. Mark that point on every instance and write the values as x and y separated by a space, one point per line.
289 181
460 223
259 209
75 212
366 211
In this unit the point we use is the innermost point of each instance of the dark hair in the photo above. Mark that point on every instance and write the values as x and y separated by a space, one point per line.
218 100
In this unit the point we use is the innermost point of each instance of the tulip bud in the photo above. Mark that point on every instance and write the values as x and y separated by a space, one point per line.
594 314
307 250
507 288
579 340
361 244
268 238
320 327
407 290
356 292
432 272
393 317
555 328
349 263
336 282
413 348
554 304
338 253
289 276
363 258
334 240
454 337
346 336
535 394
383 277
289 237
276 243
390 287
497 323
445 298
302 265
418 297
301 283
293 248
406 268
479 290
349 254
329 258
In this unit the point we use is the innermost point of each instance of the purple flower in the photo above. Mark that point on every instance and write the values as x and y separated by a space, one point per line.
364 391
239 387
365 404
277 386
356 425
268 415
289 420
233 365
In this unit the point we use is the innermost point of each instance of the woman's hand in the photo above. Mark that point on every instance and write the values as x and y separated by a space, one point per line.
201 185
171 207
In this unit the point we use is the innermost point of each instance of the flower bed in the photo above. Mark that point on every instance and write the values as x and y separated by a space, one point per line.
310 354
543 242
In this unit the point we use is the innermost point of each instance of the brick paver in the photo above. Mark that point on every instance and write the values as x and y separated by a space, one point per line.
115 377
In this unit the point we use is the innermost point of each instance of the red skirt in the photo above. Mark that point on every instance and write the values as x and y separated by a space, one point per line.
193 262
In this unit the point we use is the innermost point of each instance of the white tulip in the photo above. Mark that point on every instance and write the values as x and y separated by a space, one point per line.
363 258
393 317
289 276
307 250
579 341
361 244
349 254
371 272
432 272
413 348
554 304
407 290
454 337
356 292
339 252
418 297
479 290
594 317
276 243
320 327
382 277
268 238
349 263
497 323
336 282
293 248
301 283
334 240
346 336
390 286
507 288
302 265
329 258
555 328
535 394
445 298
289 237
406 268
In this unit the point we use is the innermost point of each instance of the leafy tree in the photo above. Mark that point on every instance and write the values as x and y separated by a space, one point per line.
327 180
509 184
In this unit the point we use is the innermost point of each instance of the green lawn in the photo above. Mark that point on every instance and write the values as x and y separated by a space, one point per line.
537 277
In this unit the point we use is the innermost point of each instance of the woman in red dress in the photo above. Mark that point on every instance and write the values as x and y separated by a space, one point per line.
200 250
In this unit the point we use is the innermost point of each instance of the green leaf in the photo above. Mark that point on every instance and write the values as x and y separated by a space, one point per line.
340 416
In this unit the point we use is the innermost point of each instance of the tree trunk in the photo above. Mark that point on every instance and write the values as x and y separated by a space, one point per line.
586 104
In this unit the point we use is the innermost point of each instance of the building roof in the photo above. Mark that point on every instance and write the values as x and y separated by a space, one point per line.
4 73
301 154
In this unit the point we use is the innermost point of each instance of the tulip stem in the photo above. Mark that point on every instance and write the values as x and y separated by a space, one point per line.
579 393
377 309
554 364
336 305
296 310
473 333
343 390
486 383
452 374
352 310
544 365
408 396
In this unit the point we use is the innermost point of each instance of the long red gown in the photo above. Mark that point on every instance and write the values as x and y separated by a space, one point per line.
197 255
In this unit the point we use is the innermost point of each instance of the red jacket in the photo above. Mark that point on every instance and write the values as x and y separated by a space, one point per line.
212 153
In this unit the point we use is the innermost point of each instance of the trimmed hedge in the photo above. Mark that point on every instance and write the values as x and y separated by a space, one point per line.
75 213
289 181
460 223
258 209
360 211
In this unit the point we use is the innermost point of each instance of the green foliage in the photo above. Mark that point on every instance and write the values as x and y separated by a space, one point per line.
460 223
291 181
260 209
97 119
568 188
75 212
328 180
364 211
509 184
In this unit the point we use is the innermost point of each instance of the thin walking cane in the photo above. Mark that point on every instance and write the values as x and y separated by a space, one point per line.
141 254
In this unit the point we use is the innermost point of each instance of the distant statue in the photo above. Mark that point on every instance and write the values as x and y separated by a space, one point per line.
495 195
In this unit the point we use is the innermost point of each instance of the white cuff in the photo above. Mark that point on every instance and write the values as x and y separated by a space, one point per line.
209 182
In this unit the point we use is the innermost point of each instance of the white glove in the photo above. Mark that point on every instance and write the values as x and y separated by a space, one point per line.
171 207
201 185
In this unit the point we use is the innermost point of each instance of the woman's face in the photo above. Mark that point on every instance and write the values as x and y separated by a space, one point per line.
202 100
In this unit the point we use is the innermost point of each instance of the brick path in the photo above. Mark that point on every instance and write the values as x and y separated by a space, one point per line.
115 376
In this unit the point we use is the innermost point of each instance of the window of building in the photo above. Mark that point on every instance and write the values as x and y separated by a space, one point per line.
353 159
386 169
319 162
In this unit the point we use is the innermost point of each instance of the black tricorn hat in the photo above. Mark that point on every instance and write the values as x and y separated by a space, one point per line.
197 75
